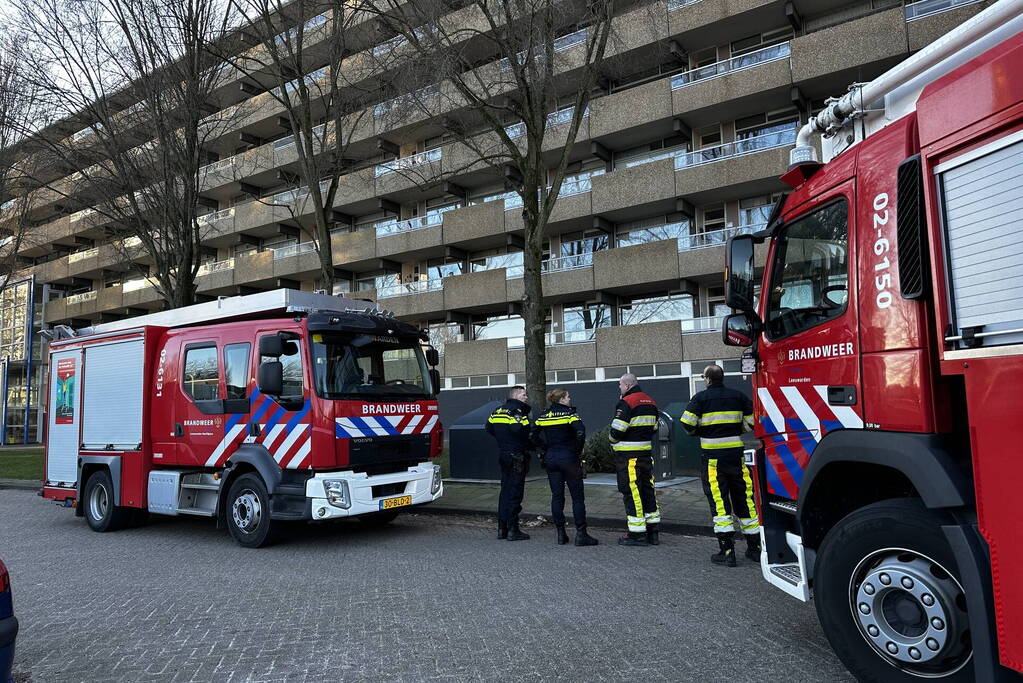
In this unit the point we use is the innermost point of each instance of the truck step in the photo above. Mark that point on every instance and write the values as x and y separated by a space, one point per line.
195 511
784 506
200 487
788 572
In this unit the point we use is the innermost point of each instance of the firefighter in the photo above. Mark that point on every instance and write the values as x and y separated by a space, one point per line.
719 415
559 436
632 431
509 425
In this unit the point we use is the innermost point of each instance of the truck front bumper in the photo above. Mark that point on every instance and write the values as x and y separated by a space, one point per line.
334 495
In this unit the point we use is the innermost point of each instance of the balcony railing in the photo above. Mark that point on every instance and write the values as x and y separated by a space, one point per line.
217 166
715 238
208 218
418 223
293 250
702 325
558 338
135 285
679 4
215 266
925 8
570 186
82 255
406 163
82 298
411 99
406 288
762 56
554 265
734 149
79 215
555 118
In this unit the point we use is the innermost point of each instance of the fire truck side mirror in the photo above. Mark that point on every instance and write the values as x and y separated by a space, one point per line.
435 380
271 345
738 329
739 284
271 376
432 356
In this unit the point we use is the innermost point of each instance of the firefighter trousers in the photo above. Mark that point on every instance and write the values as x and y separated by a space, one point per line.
636 484
729 488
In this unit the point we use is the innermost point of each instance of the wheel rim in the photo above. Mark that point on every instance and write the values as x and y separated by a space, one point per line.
99 502
912 612
247 511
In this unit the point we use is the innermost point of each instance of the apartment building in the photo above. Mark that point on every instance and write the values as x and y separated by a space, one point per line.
682 149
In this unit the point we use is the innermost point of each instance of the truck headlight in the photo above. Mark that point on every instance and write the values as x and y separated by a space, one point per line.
337 493
436 483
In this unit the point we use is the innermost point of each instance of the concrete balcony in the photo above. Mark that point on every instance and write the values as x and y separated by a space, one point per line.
296 261
215 276
659 342
630 108
253 267
480 357
411 238
50 271
351 248
413 299
874 41
651 183
109 298
571 209
709 17
644 265
475 225
747 167
927 21
139 293
56 311
476 292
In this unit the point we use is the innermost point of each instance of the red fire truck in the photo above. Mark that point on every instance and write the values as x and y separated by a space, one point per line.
886 347
252 410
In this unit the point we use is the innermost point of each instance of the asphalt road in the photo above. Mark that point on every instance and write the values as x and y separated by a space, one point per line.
429 598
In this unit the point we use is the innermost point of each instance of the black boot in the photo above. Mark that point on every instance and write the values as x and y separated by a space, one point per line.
583 538
651 535
753 547
726 554
502 529
562 536
514 533
633 538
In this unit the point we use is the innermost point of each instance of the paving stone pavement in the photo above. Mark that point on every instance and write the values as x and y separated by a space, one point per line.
428 598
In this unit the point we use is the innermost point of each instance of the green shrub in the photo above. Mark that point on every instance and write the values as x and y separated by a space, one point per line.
597 452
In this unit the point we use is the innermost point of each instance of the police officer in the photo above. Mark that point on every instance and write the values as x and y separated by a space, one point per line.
560 435
632 430
719 415
509 424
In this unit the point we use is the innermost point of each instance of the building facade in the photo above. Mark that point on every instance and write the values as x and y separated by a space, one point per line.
683 148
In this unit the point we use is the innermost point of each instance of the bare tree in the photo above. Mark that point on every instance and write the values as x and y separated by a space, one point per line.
19 111
299 47
498 77
133 81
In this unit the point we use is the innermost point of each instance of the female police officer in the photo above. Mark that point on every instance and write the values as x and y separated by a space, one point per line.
559 434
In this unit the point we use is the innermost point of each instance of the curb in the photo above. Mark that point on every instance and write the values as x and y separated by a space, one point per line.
670 527
21 484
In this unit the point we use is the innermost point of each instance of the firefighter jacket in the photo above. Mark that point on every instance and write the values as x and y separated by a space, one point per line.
719 415
634 424
509 424
560 433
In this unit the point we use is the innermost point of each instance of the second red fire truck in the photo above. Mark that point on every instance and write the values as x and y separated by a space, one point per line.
252 410
886 347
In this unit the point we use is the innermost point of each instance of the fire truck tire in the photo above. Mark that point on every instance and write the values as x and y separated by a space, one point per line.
100 512
378 519
888 596
248 512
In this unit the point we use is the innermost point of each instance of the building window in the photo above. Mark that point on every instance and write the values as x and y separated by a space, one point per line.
776 122
713 217
495 258
499 327
761 40
708 136
583 242
444 333
755 211
582 320
656 309
443 267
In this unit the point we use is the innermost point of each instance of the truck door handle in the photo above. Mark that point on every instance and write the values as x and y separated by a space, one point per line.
842 396
179 429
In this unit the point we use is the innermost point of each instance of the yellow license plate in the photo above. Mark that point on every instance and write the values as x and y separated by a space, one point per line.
400 501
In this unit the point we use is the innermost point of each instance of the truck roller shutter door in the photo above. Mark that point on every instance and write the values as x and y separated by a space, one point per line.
112 400
64 418
983 212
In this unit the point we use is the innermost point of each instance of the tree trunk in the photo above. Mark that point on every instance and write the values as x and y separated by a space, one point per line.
534 314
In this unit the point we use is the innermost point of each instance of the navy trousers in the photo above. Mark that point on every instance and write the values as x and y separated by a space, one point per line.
514 467
562 471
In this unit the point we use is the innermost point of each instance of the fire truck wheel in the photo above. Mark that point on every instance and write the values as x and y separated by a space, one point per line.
889 598
377 519
100 511
248 512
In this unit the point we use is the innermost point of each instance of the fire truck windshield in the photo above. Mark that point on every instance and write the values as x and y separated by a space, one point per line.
359 365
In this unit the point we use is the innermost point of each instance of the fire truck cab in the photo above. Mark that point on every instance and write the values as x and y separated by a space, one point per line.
253 410
886 348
